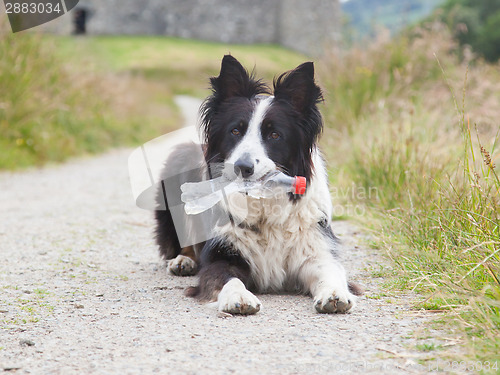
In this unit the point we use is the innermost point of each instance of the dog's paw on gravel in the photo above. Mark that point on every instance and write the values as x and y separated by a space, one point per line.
234 298
329 303
182 266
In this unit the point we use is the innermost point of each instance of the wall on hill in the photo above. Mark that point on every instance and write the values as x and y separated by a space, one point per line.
306 26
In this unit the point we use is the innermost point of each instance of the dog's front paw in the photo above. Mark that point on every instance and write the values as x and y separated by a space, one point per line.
182 266
329 302
234 298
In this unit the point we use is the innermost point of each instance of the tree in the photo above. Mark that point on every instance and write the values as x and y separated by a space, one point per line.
489 39
475 23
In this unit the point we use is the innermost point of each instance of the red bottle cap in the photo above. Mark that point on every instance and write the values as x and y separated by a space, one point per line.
300 185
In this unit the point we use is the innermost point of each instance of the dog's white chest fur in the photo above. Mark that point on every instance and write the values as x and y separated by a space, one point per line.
277 237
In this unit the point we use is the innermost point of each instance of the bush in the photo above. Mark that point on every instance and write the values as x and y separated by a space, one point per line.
475 23
489 39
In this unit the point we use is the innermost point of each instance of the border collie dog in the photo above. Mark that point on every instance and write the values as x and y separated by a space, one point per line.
283 243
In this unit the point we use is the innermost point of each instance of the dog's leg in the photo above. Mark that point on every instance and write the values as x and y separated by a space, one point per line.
325 279
180 261
224 277
166 237
184 264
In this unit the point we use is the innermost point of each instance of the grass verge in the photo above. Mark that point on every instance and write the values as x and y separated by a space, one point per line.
416 131
51 110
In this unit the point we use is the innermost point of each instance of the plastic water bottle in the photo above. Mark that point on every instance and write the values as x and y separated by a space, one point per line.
200 196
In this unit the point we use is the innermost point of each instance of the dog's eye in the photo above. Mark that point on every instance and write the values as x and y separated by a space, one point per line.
275 136
235 131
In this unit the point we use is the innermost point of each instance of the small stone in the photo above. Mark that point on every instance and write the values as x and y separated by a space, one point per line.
26 342
161 288
11 368
79 306
223 315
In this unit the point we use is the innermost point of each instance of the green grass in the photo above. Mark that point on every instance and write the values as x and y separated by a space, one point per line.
182 65
401 119
428 347
50 110
65 96
29 308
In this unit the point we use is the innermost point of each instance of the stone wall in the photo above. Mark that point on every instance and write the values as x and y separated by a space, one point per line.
309 26
304 25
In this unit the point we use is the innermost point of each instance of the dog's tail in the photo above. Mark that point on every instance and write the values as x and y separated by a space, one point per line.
192 291
355 289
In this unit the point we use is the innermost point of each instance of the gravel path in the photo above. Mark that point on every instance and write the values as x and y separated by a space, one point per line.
84 291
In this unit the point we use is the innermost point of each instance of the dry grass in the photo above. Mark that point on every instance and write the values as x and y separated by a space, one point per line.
408 119
51 109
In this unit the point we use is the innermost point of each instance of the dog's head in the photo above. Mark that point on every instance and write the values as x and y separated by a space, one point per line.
254 130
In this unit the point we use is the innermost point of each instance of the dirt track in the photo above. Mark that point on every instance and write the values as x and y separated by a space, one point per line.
84 291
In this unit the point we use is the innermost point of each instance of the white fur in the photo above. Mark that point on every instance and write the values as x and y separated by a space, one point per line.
234 298
289 251
251 143
282 241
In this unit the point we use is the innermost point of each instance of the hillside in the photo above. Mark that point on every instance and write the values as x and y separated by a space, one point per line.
364 16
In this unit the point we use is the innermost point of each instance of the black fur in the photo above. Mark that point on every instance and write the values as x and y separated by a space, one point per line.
297 96
294 114
166 236
229 104
220 262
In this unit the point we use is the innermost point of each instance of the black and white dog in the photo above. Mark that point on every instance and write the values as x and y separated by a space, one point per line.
283 243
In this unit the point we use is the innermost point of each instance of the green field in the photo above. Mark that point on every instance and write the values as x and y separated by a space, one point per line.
70 96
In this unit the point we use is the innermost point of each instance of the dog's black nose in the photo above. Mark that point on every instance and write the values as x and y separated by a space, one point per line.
244 165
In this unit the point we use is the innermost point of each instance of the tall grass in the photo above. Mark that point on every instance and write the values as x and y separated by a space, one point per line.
401 117
51 109
43 111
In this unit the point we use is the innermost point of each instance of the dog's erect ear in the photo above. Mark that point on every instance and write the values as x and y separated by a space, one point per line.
234 80
298 87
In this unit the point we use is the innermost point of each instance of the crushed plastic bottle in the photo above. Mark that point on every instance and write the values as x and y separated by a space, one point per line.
201 196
